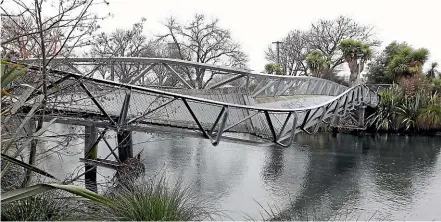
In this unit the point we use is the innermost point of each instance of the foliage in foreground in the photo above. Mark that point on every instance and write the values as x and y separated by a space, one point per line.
154 200
146 201
47 207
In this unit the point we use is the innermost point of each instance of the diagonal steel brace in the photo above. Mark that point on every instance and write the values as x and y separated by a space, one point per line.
97 103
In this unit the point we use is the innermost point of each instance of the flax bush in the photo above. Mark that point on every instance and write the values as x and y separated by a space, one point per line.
398 112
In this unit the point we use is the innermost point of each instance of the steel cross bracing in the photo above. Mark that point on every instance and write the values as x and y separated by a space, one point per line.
172 73
79 98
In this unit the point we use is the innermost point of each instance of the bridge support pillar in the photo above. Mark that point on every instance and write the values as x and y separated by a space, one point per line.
361 116
90 152
125 147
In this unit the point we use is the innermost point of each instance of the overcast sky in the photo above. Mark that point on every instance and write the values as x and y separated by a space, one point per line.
255 24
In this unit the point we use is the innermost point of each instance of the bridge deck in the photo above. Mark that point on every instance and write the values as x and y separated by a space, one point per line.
292 102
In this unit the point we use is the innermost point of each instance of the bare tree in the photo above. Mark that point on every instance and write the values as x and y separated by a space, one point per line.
293 52
324 36
161 49
14 40
133 43
204 42
122 43
66 25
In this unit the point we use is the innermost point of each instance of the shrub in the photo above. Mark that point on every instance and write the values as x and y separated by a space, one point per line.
385 117
430 117
399 111
409 111
436 86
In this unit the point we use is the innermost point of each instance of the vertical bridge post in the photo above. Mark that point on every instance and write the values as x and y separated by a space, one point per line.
361 116
361 108
124 137
90 152
125 147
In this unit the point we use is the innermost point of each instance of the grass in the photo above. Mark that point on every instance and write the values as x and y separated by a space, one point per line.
12 178
154 200
270 213
47 207
136 201
292 213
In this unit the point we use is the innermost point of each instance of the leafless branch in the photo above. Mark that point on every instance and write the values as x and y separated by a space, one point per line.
202 41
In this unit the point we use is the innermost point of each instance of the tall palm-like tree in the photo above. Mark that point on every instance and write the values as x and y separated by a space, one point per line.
406 67
317 63
354 50
271 68
431 74
408 62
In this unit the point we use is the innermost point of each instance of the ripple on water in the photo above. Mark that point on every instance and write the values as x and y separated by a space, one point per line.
342 177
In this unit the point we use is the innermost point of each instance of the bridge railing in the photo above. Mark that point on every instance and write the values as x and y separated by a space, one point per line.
379 87
177 74
81 99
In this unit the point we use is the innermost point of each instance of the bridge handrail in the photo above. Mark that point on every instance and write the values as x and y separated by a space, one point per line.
198 99
176 62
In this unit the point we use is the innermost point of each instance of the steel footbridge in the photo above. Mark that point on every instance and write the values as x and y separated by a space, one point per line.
182 97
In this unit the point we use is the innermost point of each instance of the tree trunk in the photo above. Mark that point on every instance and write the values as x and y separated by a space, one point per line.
33 147
409 84
352 63
32 152
198 83
200 73
353 77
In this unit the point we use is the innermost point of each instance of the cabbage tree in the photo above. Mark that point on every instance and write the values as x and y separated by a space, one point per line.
408 62
317 63
355 53
431 74
274 69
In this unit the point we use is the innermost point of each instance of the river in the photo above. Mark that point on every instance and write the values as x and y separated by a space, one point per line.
340 177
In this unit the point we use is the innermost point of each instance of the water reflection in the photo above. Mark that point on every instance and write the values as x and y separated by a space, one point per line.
320 177
197 163
274 163
331 179
401 167
381 175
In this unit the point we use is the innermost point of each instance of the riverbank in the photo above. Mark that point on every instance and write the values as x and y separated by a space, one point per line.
371 131
402 110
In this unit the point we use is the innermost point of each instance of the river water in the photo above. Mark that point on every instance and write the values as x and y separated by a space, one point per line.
340 177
